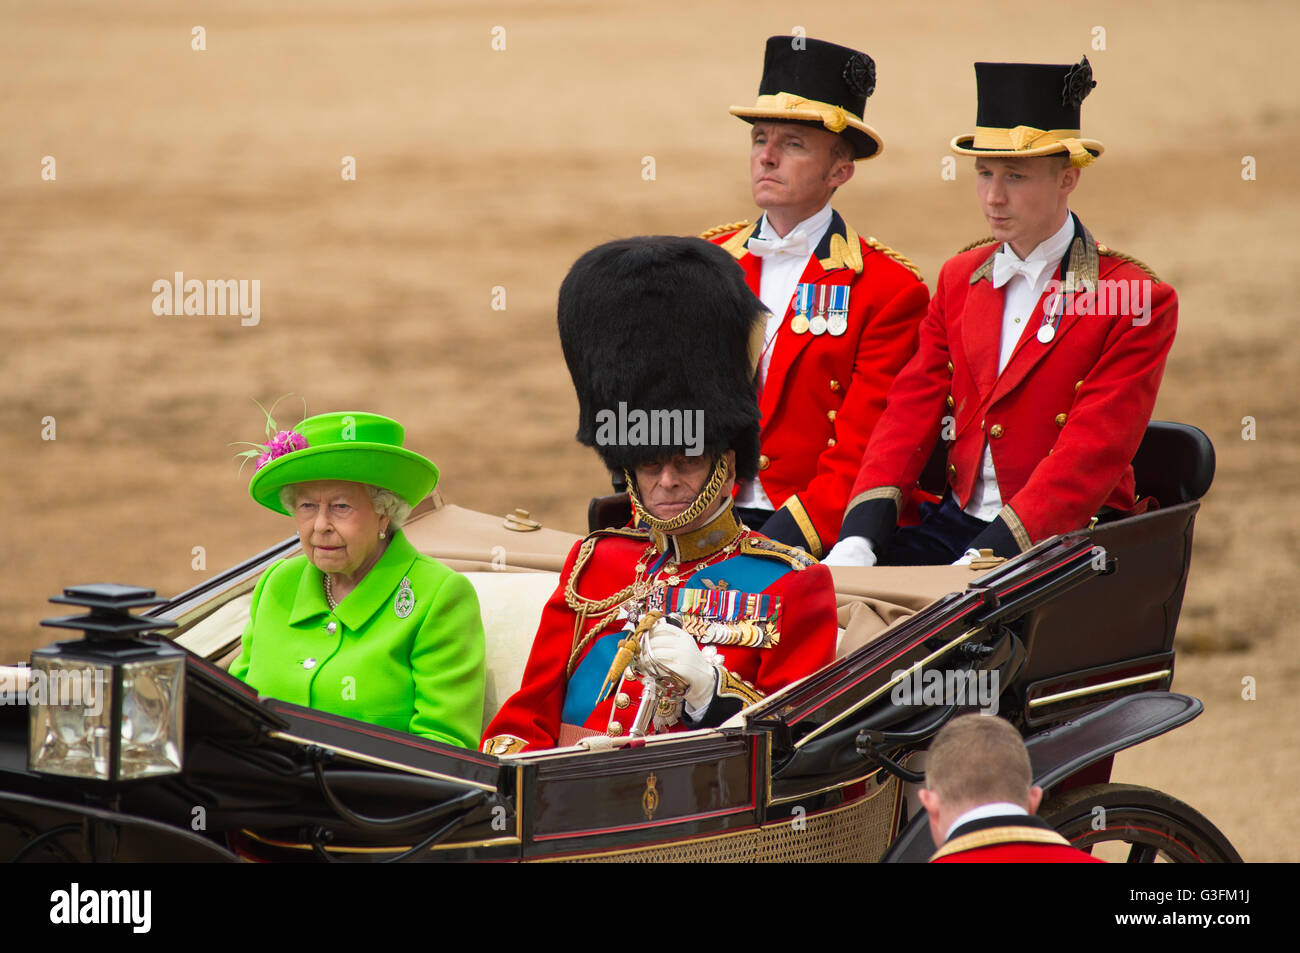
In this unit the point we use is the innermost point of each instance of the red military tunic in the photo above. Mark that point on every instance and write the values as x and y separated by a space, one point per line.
1009 840
1063 419
824 393
556 684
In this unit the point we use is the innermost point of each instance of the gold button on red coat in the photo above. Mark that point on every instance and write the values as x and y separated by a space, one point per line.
830 415
622 700
764 461
952 469
831 442
951 402
835 385
950 367
995 431
1060 420
614 730
1078 384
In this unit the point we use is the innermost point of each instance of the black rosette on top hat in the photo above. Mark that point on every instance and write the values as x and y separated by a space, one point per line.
1078 84
1030 109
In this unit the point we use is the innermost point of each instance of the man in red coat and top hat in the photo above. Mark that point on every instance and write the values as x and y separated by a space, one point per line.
843 307
1039 359
981 799
684 618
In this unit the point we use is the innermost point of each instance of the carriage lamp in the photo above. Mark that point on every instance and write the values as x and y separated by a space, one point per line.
108 706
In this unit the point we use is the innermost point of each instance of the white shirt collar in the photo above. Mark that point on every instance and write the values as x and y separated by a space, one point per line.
1000 809
813 227
1051 250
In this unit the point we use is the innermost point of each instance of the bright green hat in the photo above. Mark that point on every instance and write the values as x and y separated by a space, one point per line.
348 445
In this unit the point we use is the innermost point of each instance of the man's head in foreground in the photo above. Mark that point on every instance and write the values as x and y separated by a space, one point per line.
975 760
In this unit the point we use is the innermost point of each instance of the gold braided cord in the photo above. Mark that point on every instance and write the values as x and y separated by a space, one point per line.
641 588
717 230
976 244
1112 253
580 644
590 607
897 256
599 610
705 499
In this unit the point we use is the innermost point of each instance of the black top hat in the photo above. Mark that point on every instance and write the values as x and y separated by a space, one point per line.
1030 109
818 84
657 325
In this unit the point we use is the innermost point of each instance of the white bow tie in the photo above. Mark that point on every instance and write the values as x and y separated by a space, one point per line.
795 244
1006 266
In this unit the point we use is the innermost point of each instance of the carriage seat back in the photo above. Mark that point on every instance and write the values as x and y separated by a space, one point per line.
1123 624
1174 463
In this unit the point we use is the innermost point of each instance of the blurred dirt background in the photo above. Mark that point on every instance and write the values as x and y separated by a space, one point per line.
481 168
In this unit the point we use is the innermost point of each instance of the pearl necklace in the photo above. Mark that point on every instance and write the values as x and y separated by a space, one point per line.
329 592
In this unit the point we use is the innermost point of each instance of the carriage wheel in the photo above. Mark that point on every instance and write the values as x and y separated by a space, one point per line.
1153 826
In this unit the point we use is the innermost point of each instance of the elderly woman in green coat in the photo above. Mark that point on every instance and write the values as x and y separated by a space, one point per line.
361 624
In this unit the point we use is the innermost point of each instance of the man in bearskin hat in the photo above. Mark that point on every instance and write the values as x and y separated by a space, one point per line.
843 307
981 797
1039 359
655 331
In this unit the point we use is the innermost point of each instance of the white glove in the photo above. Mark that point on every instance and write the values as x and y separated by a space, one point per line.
675 650
851 551
966 557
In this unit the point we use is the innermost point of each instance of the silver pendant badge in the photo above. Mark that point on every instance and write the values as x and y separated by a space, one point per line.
837 321
818 323
404 604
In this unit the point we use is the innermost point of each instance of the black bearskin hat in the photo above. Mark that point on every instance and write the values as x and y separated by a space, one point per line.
658 331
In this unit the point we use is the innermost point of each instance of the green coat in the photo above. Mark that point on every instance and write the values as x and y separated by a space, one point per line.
423 673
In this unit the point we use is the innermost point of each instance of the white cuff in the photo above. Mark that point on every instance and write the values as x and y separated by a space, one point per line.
851 551
697 714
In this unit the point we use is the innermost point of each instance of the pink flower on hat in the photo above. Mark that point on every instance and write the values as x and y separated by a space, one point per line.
286 441
279 442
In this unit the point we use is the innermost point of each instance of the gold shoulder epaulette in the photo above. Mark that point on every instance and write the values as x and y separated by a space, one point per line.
900 258
771 549
1112 253
976 244
633 532
722 229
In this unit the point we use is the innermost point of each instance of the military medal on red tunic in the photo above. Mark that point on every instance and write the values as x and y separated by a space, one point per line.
838 321
726 616
1047 330
802 305
818 323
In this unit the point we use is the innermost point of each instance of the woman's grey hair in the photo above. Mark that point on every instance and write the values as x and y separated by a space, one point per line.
386 503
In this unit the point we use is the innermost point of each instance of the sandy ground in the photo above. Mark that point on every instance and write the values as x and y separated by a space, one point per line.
479 169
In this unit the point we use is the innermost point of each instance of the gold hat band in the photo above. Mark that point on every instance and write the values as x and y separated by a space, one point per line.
1026 138
833 117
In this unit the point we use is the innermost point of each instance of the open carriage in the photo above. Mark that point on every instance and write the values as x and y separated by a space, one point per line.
1073 639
